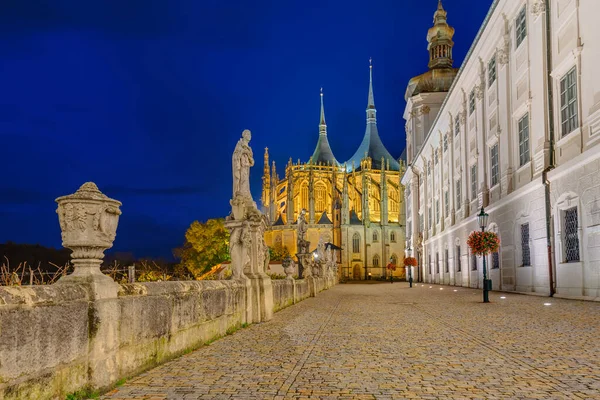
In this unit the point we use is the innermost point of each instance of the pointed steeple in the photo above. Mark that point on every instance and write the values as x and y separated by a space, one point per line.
322 124
371 111
323 153
371 145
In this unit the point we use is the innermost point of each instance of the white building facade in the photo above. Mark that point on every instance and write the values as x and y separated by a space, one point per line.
515 130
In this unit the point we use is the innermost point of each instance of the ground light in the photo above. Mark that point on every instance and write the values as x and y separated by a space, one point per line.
502 297
547 304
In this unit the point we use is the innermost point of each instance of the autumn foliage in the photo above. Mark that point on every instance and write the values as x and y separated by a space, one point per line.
206 245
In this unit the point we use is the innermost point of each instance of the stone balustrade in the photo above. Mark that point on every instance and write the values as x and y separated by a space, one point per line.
86 332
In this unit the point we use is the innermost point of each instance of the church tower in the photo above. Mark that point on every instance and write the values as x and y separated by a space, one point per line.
426 93
440 41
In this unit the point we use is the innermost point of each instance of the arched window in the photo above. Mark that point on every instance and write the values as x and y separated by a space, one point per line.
320 196
394 259
356 243
375 261
393 199
375 236
393 237
304 196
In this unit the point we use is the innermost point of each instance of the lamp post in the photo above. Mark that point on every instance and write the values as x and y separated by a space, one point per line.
410 280
482 217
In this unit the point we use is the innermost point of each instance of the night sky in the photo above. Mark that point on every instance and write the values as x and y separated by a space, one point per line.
148 98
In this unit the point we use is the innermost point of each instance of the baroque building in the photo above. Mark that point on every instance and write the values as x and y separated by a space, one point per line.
515 130
357 205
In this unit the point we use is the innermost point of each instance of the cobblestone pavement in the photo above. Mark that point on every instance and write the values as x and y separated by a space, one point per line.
386 341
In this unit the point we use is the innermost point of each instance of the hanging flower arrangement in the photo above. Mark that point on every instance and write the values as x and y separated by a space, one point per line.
391 267
482 243
410 262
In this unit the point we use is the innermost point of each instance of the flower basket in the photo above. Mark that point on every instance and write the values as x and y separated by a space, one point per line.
391 267
482 243
410 262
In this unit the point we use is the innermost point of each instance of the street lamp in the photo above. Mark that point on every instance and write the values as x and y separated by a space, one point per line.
482 217
410 280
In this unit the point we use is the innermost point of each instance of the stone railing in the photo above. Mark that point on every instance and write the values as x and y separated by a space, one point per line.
86 332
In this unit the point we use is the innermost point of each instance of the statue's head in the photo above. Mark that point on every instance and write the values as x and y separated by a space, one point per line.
247 135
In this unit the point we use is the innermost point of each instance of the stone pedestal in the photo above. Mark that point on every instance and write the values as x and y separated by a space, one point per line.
88 222
249 256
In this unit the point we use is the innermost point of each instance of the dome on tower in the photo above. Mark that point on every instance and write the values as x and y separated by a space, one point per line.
440 76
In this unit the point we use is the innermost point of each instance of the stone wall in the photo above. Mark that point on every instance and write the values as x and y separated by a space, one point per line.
55 340
287 292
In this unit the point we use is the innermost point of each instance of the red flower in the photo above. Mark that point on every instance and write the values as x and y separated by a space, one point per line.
482 243
410 262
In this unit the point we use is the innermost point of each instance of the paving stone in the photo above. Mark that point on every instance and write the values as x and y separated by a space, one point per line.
381 341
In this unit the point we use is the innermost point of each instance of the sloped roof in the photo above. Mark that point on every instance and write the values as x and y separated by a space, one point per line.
372 147
324 219
323 153
354 220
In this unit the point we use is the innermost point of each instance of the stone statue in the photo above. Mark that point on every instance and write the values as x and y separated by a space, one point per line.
288 267
239 249
242 160
302 229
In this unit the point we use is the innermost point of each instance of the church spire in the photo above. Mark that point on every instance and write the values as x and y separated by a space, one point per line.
322 124
323 153
371 111
440 41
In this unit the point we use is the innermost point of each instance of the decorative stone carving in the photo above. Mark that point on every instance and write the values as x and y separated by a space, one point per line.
288 267
538 7
425 110
301 230
503 51
463 118
248 250
88 221
478 91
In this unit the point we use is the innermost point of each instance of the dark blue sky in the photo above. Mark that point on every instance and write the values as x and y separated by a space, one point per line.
147 99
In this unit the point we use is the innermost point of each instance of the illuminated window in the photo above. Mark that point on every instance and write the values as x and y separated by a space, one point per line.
304 196
320 196
356 243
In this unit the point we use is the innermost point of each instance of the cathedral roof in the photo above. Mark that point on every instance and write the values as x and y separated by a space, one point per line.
324 220
323 153
371 145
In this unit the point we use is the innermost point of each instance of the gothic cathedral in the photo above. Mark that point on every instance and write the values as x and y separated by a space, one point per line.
357 206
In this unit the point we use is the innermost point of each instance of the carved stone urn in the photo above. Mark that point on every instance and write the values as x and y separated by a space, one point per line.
88 223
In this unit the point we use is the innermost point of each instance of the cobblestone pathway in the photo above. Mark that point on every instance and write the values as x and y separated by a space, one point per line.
386 341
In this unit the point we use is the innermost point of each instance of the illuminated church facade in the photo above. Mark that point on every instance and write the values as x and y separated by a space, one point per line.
356 205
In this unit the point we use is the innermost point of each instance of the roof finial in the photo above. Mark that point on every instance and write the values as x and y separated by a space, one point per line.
440 7
371 102
322 124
